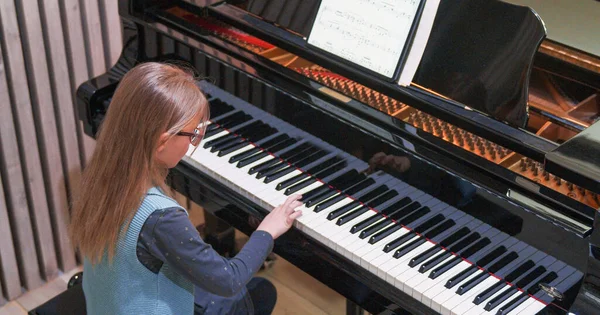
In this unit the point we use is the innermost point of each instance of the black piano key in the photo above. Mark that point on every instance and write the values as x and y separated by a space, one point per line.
371 204
264 165
532 290
506 308
272 169
232 148
399 241
306 182
500 298
469 271
465 287
350 191
295 162
419 229
278 147
400 213
218 107
294 180
280 173
352 215
252 159
240 135
335 189
281 161
430 234
467 241
393 213
312 158
217 122
235 121
250 129
383 234
220 140
212 130
532 275
236 146
475 247
341 187
225 144
378 216
315 192
485 294
300 155
369 196
310 172
342 210
453 238
298 186
212 142
244 154
289 153
231 121
275 141
324 196
266 146
431 222
327 203
344 177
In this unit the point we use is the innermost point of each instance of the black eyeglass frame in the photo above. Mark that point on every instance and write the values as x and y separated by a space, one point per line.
195 136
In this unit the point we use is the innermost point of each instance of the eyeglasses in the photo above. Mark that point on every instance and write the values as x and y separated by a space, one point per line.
195 137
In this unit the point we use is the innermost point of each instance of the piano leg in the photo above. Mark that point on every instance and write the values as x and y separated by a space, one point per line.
353 309
219 234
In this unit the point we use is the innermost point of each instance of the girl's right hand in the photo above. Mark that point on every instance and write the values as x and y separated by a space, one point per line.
282 217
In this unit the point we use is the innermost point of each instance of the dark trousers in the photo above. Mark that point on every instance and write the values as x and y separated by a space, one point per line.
263 294
260 290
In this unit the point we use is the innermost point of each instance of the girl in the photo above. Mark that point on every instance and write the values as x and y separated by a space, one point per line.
141 253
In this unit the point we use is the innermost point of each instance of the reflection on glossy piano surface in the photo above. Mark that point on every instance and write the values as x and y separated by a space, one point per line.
472 191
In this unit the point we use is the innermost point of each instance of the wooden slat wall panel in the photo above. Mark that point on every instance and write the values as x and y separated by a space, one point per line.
8 259
111 30
47 49
70 15
67 127
23 161
47 135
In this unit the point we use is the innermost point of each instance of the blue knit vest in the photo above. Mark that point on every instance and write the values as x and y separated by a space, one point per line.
125 286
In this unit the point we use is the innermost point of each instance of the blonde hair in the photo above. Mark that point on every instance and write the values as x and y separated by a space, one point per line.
151 99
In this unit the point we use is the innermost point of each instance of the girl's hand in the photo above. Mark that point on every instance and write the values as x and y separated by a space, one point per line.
282 217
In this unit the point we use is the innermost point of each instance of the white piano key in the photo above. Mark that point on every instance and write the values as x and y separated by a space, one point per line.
432 287
467 299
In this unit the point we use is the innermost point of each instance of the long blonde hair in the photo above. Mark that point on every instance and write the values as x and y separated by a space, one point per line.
152 98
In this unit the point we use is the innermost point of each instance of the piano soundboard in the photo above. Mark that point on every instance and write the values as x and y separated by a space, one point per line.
441 256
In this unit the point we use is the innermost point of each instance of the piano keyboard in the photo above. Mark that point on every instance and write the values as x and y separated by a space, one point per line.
441 256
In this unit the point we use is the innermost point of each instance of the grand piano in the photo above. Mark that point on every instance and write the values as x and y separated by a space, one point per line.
473 190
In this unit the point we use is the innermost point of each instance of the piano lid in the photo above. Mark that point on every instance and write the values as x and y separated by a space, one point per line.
479 53
578 159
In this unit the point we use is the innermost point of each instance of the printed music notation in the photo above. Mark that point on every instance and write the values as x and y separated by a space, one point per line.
371 33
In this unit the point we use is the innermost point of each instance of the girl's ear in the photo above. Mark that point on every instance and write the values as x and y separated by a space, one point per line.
162 142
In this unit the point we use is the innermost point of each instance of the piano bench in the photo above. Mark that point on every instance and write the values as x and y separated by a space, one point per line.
69 302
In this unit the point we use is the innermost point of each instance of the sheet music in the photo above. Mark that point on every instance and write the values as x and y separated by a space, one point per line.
371 33
419 43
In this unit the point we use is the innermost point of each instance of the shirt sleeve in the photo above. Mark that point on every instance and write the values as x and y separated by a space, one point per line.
176 241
